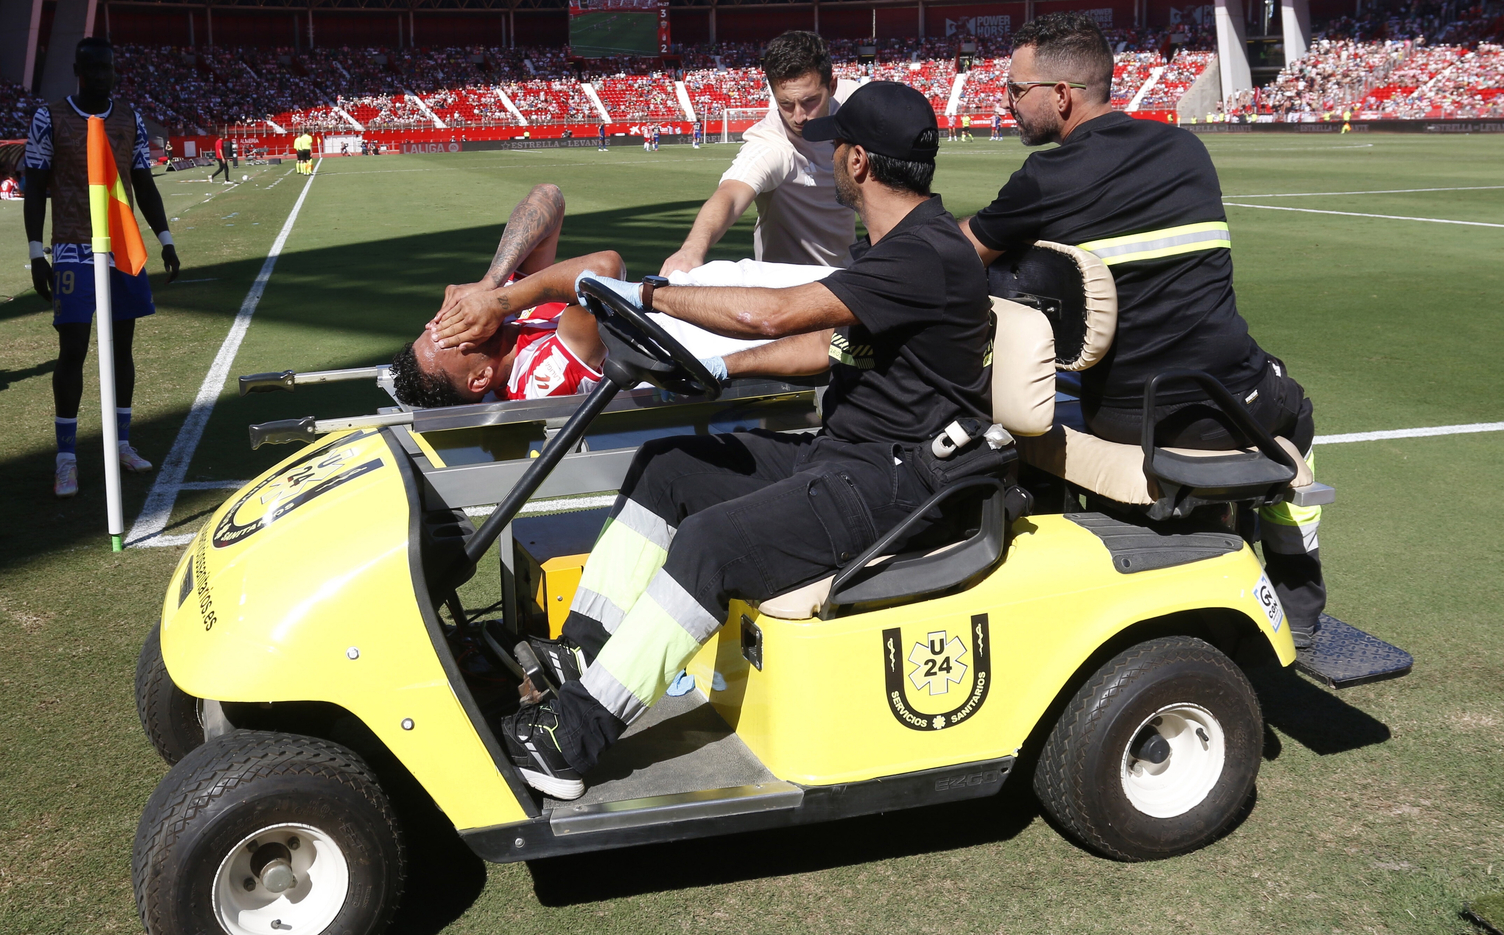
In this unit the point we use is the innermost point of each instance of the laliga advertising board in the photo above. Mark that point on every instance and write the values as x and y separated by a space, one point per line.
601 28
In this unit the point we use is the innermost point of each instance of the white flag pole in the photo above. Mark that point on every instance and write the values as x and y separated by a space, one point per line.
105 324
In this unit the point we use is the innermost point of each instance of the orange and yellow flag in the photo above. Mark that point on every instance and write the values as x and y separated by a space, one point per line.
114 220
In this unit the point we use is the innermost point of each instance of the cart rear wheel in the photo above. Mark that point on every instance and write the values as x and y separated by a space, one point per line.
255 833
1156 754
172 718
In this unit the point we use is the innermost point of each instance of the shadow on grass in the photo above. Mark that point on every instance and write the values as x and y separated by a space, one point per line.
656 868
1310 715
7 377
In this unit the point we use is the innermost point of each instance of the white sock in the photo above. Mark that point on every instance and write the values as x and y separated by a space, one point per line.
65 456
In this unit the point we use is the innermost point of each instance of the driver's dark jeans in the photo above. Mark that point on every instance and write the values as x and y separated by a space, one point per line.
1292 556
701 520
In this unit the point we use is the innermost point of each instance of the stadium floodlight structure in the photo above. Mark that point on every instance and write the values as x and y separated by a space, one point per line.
733 114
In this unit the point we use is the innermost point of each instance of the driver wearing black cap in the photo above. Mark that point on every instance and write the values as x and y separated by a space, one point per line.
703 519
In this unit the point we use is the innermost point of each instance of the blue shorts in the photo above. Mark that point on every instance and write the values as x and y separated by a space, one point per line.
73 290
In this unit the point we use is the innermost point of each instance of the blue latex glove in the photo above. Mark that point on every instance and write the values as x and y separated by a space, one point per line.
631 291
716 366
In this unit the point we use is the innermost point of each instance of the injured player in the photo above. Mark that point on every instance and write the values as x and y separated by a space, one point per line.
516 333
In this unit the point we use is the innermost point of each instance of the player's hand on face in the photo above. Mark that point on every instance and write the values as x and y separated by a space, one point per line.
170 261
683 261
41 277
469 321
453 294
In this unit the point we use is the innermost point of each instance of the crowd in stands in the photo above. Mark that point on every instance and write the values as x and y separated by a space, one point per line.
16 108
1175 80
1377 65
1332 74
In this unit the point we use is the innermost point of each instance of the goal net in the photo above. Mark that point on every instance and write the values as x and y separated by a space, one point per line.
736 119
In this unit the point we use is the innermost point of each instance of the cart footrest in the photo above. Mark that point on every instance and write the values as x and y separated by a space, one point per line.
1345 656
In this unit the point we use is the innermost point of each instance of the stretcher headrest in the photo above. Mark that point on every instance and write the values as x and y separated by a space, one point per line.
1023 369
1073 288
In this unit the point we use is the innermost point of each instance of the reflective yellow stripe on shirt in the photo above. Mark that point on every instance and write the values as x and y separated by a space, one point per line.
1151 245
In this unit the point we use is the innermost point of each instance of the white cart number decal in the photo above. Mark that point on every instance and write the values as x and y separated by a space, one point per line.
1263 592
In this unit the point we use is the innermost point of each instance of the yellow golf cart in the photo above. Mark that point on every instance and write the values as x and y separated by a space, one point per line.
314 626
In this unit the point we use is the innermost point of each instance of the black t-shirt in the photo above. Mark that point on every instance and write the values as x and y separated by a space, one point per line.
914 361
1116 176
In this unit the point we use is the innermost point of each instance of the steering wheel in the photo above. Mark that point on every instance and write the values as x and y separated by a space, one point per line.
641 350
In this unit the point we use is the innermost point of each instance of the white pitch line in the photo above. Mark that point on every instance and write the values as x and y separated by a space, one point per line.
1468 429
157 509
1387 191
1355 214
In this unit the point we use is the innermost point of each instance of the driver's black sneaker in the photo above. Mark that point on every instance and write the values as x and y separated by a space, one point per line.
548 664
532 744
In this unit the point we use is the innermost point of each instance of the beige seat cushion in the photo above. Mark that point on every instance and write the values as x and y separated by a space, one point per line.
1114 470
1101 304
1023 370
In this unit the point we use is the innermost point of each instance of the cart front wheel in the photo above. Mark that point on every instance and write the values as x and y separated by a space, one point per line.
172 718
261 833
1156 754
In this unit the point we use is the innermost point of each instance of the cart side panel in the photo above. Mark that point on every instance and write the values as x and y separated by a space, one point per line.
301 590
960 678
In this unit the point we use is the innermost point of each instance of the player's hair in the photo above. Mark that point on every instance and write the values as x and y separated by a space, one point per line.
89 46
796 53
902 174
418 389
1070 47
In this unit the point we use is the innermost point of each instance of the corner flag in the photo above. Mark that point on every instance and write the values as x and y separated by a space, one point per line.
114 229
109 210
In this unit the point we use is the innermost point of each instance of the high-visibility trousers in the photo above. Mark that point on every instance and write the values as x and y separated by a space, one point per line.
701 520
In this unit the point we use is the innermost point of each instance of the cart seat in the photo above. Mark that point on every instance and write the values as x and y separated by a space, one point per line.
1056 309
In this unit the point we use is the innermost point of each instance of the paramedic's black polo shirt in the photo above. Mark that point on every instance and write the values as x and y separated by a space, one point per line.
1116 176
914 361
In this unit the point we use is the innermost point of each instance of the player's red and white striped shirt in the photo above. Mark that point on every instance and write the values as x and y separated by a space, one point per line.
543 364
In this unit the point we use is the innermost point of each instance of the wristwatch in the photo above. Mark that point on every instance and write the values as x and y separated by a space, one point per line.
649 283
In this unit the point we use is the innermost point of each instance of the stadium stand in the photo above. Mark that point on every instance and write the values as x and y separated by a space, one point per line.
1175 80
640 97
1378 66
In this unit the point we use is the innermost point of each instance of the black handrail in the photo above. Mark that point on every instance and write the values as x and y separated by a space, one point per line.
1225 401
885 541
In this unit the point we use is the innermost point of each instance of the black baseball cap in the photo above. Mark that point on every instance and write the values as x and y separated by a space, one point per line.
883 117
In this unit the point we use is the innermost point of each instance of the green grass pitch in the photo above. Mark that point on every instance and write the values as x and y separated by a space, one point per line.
1381 810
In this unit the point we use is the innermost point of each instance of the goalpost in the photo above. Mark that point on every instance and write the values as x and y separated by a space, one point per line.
737 114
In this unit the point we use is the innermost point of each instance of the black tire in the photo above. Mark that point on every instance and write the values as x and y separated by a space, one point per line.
238 786
171 718
1086 768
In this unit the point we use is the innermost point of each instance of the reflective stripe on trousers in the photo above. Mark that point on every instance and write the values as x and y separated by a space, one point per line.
631 549
1289 529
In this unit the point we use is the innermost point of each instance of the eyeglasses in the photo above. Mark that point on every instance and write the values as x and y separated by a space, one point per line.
1017 89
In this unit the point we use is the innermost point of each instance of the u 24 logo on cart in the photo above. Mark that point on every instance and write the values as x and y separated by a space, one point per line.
939 667
317 472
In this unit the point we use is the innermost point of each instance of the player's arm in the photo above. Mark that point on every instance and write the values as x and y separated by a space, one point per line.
716 216
579 332
753 311
477 316
34 215
149 200
529 243
801 355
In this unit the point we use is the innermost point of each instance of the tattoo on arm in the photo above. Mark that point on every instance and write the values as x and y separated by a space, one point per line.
534 218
